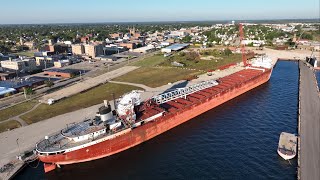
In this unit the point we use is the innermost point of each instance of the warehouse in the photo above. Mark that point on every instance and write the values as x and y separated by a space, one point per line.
174 47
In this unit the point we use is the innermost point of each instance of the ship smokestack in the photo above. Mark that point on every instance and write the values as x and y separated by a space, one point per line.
106 112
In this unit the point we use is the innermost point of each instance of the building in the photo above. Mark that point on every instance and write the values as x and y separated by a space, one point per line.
144 49
29 44
174 47
85 39
57 48
19 65
107 58
113 49
93 50
65 73
44 61
4 91
116 35
19 84
77 49
7 75
61 63
49 48
164 43
129 45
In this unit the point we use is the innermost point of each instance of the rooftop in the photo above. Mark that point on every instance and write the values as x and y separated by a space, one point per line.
19 83
177 47
63 70
4 90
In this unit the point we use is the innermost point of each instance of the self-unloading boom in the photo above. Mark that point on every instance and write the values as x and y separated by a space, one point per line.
183 92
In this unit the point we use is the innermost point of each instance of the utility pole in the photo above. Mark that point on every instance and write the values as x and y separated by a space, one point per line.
25 92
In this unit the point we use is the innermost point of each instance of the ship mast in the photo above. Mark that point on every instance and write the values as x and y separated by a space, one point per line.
244 58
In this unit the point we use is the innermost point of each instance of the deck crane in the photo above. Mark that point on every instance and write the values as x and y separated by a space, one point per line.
244 58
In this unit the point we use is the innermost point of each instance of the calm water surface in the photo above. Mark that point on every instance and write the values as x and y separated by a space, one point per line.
237 140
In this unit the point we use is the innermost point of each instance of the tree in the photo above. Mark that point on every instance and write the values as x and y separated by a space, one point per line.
227 52
307 36
28 90
49 83
290 43
186 39
250 44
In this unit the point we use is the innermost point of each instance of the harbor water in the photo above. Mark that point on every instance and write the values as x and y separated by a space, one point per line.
237 140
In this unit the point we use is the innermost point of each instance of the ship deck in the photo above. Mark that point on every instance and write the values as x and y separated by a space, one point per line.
226 83
287 143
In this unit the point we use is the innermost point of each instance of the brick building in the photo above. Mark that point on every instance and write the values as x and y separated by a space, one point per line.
77 49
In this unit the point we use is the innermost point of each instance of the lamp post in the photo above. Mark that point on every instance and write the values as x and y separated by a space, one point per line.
25 92
18 145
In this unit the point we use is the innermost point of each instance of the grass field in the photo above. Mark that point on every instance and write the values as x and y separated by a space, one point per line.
76 102
25 53
8 125
150 61
16 110
205 65
155 77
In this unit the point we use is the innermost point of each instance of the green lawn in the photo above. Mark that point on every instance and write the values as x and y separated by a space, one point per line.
150 61
155 77
205 65
76 102
25 53
8 125
16 110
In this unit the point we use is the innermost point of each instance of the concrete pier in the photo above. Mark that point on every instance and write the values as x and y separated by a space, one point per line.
309 125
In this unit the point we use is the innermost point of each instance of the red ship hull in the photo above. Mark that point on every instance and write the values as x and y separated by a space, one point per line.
229 87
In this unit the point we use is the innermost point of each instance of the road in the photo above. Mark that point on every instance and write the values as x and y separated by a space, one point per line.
94 71
6 102
309 125
86 84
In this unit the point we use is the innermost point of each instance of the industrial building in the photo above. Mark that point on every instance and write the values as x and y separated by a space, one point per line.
44 61
7 75
174 47
5 90
91 50
144 49
19 84
65 73
19 65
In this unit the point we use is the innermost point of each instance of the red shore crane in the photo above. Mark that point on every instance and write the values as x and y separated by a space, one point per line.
244 58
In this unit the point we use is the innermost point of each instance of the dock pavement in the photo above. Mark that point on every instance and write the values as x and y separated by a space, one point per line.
309 125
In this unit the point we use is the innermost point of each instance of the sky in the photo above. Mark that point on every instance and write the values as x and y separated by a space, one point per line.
92 11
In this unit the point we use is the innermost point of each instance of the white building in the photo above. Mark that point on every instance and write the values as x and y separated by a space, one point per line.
144 49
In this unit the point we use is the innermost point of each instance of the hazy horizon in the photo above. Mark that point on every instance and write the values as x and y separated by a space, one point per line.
94 11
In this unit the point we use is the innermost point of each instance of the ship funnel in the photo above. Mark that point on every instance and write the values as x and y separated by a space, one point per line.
106 113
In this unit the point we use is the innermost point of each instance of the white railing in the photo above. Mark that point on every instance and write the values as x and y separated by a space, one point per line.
183 92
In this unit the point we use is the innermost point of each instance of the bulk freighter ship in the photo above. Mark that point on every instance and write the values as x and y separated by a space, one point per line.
133 122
